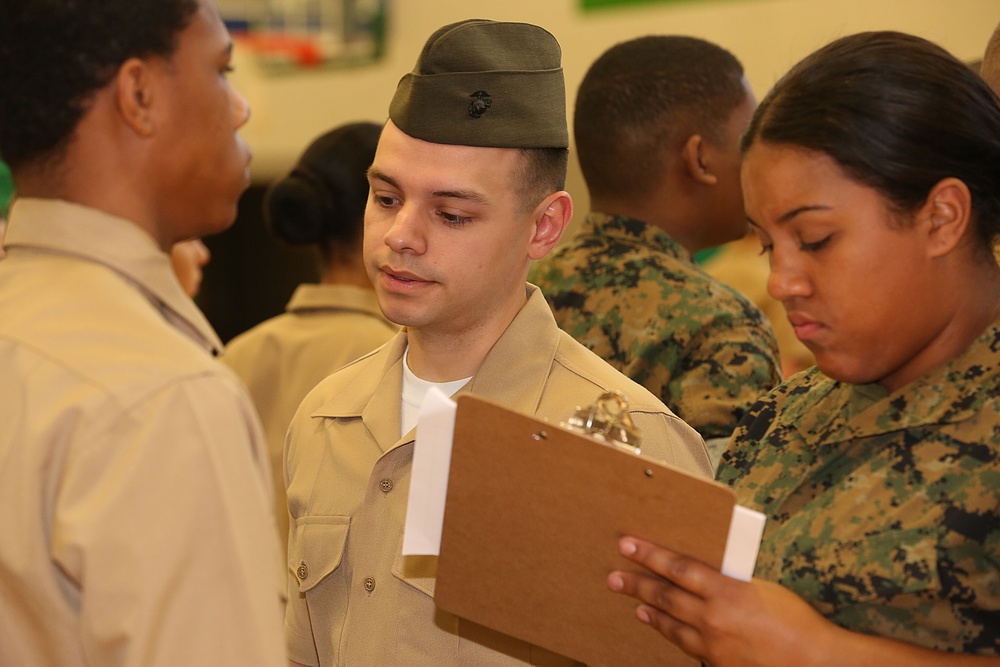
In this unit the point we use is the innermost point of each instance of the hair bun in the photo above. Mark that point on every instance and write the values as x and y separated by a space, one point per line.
322 201
297 209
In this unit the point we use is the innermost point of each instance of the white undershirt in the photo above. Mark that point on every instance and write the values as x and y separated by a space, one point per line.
414 390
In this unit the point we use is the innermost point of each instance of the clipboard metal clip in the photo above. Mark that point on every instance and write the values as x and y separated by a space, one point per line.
608 421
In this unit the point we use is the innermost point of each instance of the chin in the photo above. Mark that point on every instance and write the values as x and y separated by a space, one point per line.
851 371
222 221
395 314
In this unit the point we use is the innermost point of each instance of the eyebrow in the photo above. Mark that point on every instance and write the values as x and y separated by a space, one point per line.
465 195
792 214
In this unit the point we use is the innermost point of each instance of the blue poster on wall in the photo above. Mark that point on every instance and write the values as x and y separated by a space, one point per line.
290 35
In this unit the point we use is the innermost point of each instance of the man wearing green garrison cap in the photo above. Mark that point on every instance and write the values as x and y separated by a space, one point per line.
466 190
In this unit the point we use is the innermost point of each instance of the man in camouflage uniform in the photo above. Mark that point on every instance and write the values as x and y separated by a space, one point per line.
882 510
657 126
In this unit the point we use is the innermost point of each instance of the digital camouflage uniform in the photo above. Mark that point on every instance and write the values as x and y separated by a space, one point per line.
882 510
632 294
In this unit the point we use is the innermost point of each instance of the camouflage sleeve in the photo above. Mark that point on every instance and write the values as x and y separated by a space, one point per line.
703 349
745 445
727 365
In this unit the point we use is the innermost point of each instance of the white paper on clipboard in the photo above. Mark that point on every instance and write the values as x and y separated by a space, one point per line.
429 476
743 543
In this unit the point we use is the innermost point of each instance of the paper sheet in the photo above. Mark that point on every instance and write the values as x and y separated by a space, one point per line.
743 543
429 476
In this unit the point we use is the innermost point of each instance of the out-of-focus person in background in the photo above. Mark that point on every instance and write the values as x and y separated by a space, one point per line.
742 265
990 67
871 174
189 259
657 124
134 484
321 203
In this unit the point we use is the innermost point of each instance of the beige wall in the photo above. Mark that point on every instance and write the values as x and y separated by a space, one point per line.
768 36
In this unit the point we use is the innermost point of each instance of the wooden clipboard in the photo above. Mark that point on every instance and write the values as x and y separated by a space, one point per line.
531 525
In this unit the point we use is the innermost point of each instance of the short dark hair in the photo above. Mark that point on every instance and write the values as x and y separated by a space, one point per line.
55 54
322 201
643 95
543 171
898 114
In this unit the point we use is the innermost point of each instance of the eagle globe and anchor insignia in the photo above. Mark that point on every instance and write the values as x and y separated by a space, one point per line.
481 101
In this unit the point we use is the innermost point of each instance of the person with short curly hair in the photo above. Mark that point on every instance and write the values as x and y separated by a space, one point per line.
133 474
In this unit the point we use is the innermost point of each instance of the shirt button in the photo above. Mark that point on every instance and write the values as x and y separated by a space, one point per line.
385 485
369 584
302 572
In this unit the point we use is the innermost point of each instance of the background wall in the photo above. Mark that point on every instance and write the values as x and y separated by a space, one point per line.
289 110
768 36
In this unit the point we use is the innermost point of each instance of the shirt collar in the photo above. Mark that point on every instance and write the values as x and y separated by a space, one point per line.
636 231
950 393
324 296
56 226
514 373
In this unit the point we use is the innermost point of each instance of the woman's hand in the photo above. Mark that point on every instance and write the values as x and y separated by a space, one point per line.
729 623
719 620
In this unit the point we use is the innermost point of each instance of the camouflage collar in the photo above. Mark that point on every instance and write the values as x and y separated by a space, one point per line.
634 231
830 412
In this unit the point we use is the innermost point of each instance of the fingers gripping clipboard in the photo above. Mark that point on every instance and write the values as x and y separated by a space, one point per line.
531 525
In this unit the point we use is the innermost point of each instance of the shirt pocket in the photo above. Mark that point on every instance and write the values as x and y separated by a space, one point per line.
317 548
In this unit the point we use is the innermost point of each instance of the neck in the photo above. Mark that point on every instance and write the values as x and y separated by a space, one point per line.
101 168
974 301
979 300
443 356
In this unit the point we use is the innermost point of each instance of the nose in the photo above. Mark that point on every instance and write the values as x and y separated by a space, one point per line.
787 279
240 108
405 234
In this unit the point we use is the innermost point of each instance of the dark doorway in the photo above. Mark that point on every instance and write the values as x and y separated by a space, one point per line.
251 274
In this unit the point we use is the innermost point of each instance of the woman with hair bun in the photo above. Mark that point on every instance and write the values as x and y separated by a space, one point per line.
326 325
872 174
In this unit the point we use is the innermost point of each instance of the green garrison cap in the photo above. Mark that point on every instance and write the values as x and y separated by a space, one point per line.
485 83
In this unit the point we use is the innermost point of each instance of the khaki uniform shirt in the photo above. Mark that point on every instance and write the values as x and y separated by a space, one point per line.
354 601
883 509
135 523
632 294
280 360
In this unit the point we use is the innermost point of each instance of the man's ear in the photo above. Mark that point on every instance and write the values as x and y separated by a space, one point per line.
946 215
551 218
134 95
695 157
